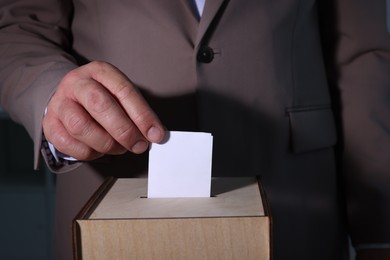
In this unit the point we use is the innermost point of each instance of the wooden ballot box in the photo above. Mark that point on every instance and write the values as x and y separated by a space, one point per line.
119 222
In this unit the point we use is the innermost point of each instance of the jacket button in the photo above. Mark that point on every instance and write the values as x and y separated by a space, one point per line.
205 54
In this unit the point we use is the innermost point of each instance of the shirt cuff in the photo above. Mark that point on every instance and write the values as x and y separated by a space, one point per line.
58 155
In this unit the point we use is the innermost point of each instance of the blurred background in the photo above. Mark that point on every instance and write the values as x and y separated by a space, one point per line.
26 197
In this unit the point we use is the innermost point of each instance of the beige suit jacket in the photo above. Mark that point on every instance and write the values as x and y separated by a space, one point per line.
252 73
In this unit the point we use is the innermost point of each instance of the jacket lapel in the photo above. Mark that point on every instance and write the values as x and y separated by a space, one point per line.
210 10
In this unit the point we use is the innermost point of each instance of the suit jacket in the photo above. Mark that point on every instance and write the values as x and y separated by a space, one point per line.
278 83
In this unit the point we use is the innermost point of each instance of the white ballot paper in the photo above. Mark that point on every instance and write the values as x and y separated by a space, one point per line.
180 167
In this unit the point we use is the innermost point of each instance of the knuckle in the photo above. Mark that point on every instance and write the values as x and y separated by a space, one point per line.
100 67
77 125
60 142
108 146
54 133
144 118
99 64
125 135
98 101
70 78
125 90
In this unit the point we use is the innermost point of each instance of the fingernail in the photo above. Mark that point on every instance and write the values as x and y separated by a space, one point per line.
154 134
139 147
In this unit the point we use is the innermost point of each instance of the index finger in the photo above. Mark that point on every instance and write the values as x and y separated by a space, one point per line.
128 96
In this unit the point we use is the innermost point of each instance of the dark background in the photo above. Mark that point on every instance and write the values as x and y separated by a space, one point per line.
26 197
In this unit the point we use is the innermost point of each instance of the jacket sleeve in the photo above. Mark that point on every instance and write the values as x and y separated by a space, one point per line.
35 44
360 68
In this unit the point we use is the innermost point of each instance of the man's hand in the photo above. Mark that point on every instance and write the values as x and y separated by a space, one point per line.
97 110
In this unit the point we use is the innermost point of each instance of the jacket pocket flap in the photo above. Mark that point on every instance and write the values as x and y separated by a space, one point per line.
311 128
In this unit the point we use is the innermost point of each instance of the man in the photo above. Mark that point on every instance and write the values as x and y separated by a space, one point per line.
112 75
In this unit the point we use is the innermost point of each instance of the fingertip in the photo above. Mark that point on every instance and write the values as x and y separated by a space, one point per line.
140 147
155 134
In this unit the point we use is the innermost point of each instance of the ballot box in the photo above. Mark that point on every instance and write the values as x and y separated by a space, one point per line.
120 222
